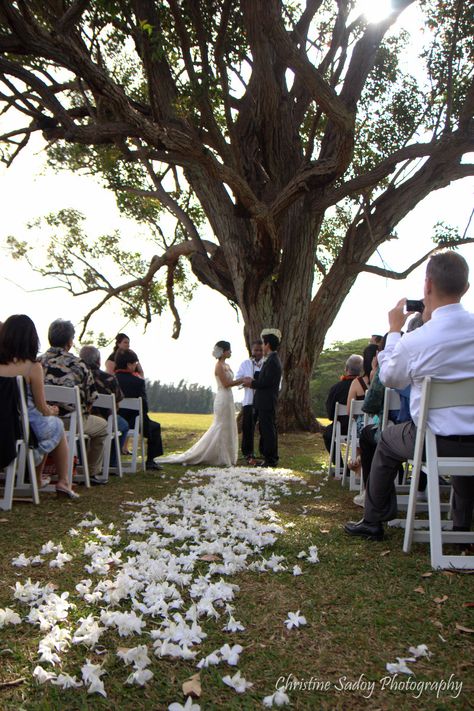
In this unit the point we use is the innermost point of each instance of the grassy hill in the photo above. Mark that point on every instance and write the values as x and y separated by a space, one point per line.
329 369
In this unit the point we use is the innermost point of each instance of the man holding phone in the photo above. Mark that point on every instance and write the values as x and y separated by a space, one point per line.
443 348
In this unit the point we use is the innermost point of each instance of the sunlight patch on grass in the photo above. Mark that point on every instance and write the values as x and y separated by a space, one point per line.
179 421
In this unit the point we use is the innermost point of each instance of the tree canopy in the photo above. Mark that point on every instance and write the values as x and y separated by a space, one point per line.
286 138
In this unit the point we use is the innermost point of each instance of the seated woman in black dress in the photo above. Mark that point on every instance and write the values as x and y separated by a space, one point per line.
132 385
122 343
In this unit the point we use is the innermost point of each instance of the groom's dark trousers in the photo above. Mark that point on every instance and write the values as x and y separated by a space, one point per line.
248 430
266 396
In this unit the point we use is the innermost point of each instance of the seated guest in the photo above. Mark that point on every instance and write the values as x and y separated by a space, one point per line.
360 384
437 349
108 385
359 387
122 343
63 368
132 385
373 404
338 393
19 345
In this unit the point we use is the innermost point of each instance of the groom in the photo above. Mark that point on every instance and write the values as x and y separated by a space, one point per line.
266 396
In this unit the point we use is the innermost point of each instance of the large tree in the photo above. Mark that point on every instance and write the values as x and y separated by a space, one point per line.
287 139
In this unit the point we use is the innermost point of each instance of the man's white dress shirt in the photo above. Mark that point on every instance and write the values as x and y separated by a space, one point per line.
442 348
248 369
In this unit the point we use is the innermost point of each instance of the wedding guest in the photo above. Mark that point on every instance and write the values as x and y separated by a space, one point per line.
437 349
108 385
373 405
357 391
267 387
61 367
360 384
134 386
19 346
122 343
338 393
250 368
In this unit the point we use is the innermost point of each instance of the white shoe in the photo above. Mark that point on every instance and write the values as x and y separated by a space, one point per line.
421 496
359 499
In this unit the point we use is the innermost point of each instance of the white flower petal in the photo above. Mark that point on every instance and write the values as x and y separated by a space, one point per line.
279 698
42 676
237 682
66 682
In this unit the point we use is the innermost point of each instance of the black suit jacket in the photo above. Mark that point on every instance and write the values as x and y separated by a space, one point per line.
338 393
267 385
133 386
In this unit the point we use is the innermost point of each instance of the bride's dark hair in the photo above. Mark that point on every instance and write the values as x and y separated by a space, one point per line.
225 345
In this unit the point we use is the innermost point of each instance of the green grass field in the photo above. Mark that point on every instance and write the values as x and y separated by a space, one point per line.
365 604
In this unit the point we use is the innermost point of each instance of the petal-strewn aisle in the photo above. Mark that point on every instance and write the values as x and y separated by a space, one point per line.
156 582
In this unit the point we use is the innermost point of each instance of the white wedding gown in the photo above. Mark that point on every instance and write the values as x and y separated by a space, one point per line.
219 445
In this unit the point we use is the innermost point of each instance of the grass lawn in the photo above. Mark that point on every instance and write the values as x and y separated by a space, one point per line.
365 604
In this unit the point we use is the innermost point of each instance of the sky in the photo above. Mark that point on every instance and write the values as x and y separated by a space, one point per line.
28 190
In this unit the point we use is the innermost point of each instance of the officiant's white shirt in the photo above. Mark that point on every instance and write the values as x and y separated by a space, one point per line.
248 369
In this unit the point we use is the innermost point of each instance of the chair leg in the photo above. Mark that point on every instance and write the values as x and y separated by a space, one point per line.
71 445
118 454
337 465
33 480
346 458
134 450
434 511
85 465
10 475
106 458
143 453
411 510
353 485
331 447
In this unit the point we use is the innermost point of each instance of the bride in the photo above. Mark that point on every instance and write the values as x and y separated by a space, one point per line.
219 445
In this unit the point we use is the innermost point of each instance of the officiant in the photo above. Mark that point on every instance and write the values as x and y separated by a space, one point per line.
250 368
266 388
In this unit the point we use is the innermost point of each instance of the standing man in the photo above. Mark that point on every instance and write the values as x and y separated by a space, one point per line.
266 387
443 349
250 368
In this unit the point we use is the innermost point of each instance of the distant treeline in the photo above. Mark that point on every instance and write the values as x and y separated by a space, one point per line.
184 397
329 369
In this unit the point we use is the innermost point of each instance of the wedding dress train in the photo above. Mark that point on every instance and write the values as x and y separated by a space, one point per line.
219 445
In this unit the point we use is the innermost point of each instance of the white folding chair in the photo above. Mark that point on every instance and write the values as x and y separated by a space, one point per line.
107 401
337 438
135 434
15 481
437 394
63 395
352 444
391 401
